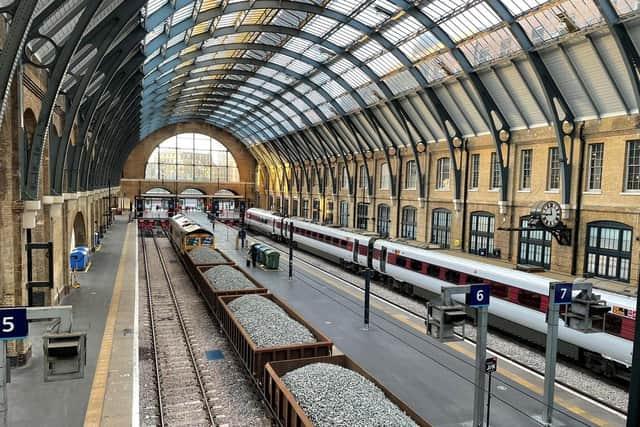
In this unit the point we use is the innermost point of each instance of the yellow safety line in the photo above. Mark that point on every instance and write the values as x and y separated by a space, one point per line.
535 388
99 386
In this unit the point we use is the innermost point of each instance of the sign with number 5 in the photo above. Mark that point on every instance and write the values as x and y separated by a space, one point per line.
13 323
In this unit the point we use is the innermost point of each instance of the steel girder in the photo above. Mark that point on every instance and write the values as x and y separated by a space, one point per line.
11 53
78 94
563 117
624 42
108 65
54 81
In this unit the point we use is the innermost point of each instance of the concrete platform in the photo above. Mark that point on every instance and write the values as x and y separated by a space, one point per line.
433 378
104 307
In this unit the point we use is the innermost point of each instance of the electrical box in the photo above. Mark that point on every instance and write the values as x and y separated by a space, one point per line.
65 356
442 319
586 312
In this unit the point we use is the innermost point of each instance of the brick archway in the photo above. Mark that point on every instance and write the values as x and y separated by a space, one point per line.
135 166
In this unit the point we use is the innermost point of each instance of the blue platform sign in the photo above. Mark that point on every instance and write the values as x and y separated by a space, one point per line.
479 295
563 293
13 323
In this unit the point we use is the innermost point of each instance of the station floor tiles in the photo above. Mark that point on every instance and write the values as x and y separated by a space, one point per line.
434 379
104 302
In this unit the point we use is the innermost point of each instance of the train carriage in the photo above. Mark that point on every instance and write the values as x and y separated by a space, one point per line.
188 235
519 301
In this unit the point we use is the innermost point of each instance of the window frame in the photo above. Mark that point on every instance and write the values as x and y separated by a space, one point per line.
593 167
623 257
440 173
385 177
495 179
409 230
383 222
476 235
475 171
526 169
553 171
411 179
439 230
530 241
627 166
362 218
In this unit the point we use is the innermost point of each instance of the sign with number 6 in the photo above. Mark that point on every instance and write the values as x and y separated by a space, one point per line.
479 295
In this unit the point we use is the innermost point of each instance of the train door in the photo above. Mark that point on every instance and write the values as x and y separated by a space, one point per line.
370 253
383 260
356 247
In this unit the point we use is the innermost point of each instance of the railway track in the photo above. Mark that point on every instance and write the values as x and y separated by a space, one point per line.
181 394
313 264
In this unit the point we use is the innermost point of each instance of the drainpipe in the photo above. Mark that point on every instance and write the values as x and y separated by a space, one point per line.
576 227
463 235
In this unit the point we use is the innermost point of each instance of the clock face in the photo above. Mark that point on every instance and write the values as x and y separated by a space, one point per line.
550 214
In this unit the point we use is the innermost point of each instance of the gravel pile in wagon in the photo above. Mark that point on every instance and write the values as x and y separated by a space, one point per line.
226 278
267 324
206 256
331 395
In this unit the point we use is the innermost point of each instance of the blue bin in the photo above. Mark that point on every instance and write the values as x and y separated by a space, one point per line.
79 258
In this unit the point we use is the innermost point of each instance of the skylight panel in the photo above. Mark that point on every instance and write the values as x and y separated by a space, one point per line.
347 102
421 46
333 88
344 36
341 66
401 82
378 13
319 78
401 29
300 67
385 64
368 50
182 14
439 10
154 5
470 22
518 7
346 7
319 25
356 77
297 44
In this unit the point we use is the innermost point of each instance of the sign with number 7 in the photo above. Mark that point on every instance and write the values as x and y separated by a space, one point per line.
563 293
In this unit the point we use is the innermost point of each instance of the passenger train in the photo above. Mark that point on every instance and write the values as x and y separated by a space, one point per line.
187 234
519 298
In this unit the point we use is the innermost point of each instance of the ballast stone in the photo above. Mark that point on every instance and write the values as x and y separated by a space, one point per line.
226 278
331 395
267 324
206 256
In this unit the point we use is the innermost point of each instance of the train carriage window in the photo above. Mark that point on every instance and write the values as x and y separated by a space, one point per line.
499 291
401 261
433 270
529 299
416 265
452 276
363 250
335 241
608 250
613 324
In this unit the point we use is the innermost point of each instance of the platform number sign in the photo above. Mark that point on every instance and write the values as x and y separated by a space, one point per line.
563 293
13 323
479 295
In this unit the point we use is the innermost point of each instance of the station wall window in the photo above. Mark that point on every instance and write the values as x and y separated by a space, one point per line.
285 207
632 172
441 227
363 216
534 246
294 207
409 223
608 250
315 212
344 213
385 178
596 155
383 220
475 171
481 236
411 175
192 157
525 169
305 208
363 177
496 173
328 217
345 178
312 178
442 181
553 173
